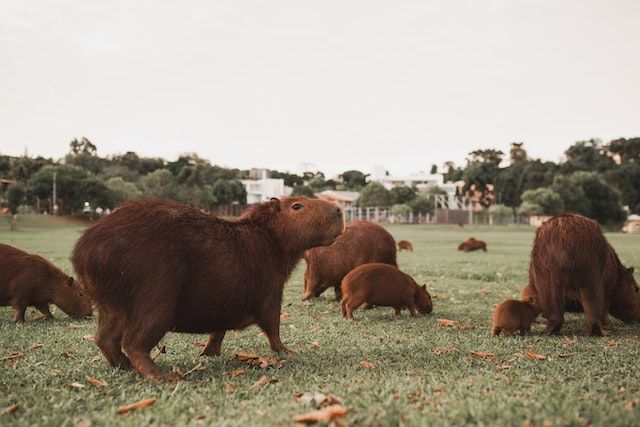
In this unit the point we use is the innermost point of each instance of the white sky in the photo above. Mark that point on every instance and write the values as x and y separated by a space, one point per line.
340 84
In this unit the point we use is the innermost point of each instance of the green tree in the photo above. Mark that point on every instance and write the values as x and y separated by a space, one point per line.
353 180
434 169
122 190
229 191
290 180
401 210
626 179
16 196
588 156
517 153
549 201
627 150
403 194
453 172
69 191
501 214
527 208
302 190
422 204
84 154
159 184
375 195
96 192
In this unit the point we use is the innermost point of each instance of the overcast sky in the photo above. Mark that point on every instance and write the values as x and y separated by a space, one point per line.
339 84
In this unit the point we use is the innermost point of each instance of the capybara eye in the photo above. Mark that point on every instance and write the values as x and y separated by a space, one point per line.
296 206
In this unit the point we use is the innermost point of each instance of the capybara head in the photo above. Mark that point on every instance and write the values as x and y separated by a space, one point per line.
625 303
423 300
70 296
301 223
530 295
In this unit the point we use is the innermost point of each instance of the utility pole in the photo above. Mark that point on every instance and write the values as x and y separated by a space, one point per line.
54 208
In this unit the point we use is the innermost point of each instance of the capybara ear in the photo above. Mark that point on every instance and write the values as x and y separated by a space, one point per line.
631 270
424 287
69 281
274 203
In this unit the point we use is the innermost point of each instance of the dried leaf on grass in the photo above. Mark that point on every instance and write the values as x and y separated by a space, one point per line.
245 356
11 356
138 405
96 382
325 414
228 388
284 316
439 351
200 344
563 355
236 372
314 345
318 399
368 365
632 404
10 409
261 362
89 338
534 356
75 326
484 293
262 380
77 385
452 324
36 345
481 355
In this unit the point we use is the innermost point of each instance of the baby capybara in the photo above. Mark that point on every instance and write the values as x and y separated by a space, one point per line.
571 300
471 244
362 242
383 285
156 266
512 316
406 245
30 280
571 256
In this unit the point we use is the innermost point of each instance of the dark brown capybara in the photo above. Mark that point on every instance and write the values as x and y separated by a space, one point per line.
406 245
383 285
362 242
472 244
512 316
31 280
570 255
571 300
156 266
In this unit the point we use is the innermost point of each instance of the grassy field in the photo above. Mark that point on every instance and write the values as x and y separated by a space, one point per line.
421 372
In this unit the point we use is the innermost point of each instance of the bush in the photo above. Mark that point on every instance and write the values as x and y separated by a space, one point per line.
548 200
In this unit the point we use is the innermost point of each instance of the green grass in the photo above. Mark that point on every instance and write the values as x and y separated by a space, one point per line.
423 373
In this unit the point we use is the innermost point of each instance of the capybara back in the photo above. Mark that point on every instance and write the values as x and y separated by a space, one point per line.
512 316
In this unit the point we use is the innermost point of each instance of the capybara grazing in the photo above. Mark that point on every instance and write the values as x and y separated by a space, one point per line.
471 244
362 242
30 280
512 316
571 298
383 285
570 255
156 266
406 245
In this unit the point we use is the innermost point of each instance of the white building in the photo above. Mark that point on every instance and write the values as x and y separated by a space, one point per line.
263 189
422 181
344 199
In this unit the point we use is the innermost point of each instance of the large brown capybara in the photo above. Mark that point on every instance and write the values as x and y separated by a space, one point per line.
383 285
512 316
571 298
471 244
362 242
156 266
571 256
30 280
406 245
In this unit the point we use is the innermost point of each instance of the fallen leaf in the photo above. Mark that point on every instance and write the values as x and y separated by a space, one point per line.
75 326
481 355
368 365
484 293
534 356
446 322
35 346
138 405
96 359
229 388
439 351
268 362
611 343
314 345
11 356
90 337
77 385
318 399
284 316
236 372
632 404
326 414
96 382
200 344
262 380
10 409
566 342
245 356
502 367
566 354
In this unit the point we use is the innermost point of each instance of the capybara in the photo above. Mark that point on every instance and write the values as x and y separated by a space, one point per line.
571 298
383 285
512 316
471 244
406 245
156 266
30 280
362 242
570 255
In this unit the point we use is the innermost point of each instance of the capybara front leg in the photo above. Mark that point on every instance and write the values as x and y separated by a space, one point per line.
593 310
109 338
214 345
44 309
18 312
397 310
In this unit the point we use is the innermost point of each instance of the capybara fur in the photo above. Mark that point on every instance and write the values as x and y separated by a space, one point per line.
406 245
383 285
156 266
471 244
30 280
571 256
512 316
571 300
362 242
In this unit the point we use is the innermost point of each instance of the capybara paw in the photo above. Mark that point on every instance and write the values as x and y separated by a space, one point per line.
285 350
209 352
551 330
595 331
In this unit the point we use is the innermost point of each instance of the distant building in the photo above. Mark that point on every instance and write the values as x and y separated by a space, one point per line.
344 199
537 220
262 189
633 224
422 181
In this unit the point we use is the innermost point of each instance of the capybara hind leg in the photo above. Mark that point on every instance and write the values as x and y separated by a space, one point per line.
109 338
353 305
496 331
18 313
44 309
343 307
398 311
139 340
214 345
270 324
593 311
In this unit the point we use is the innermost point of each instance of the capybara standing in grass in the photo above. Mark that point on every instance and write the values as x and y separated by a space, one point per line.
383 285
512 316
30 280
362 242
157 266
471 244
571 255
406 245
